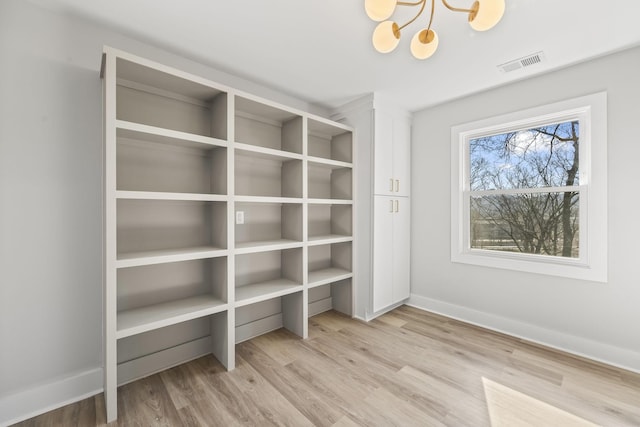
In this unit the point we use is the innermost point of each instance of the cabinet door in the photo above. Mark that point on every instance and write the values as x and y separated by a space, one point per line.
383 252
383 153
401 249
401 157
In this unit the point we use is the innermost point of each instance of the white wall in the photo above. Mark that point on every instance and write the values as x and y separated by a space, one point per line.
51 201
595 319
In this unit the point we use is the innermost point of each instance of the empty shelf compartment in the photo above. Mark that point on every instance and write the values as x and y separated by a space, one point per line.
329 263
330 222
329 141
148 228
156 98
329 182
267 126
265 275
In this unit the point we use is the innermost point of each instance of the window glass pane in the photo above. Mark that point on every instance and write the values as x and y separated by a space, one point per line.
541 223
545 156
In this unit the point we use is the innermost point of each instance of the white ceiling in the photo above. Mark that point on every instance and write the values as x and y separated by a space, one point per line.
320 50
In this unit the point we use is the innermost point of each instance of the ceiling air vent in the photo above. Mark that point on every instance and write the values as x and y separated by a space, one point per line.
516 64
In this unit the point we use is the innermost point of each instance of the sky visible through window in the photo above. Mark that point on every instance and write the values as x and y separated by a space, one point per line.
531 158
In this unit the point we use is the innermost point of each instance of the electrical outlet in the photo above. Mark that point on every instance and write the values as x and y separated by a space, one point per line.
240 217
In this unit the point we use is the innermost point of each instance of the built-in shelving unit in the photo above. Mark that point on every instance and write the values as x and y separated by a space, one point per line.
226 216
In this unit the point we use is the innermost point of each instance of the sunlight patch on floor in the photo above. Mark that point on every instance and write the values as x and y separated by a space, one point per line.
510 408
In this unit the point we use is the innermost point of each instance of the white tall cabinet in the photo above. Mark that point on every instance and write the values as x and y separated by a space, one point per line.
383 134
391 156
391 227
226 216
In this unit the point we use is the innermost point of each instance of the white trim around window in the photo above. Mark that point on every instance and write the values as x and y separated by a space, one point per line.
591 112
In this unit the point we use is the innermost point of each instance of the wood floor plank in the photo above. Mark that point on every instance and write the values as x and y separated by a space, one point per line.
301 395
223 392
146 401
383 408
260 394
407 367
472 412
382 375
280 346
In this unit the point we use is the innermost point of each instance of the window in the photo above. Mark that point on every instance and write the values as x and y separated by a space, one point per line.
529 190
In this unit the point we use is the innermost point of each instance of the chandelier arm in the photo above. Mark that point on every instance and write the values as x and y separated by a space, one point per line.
406 3
457 9
433 7
423 3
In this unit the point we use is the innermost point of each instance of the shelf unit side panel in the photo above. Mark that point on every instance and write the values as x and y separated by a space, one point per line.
292 135
110 243
219 111
342 220
342 147
294 313
341 184
292 221
292 179
342 296
342 256
291 261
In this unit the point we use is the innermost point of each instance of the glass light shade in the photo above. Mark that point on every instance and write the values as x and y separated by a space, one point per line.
386 36
489 14
379 10
424 44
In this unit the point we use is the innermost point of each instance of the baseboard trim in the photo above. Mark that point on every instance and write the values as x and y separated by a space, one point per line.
589 349
44 398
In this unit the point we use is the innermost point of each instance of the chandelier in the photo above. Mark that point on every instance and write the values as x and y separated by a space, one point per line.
483 15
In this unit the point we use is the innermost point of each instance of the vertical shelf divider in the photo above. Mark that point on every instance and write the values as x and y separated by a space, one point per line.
305 227
110 273
231 236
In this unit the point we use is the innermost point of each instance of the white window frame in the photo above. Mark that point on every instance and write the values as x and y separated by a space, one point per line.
591 111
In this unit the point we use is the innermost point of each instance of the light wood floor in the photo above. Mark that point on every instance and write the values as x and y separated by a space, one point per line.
406 368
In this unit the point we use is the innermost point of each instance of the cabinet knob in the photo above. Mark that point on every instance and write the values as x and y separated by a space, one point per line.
397 206
391 184
397 185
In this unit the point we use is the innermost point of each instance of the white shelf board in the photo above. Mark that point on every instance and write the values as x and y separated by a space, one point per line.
143 319
328 239
326 127
328 163
267 199
256 108
134 259
157 195
330 201
243 149
266 245
328 275
159 135
262 291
